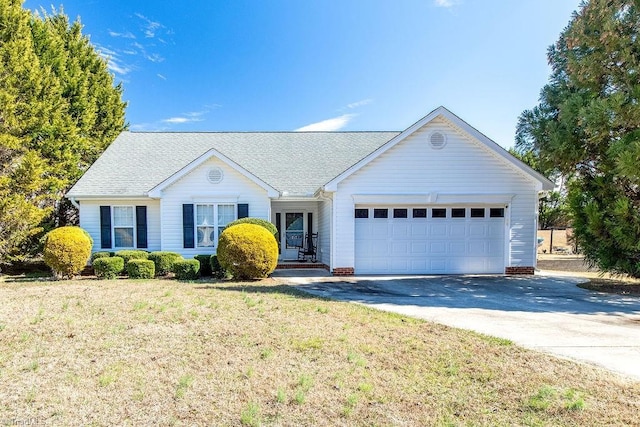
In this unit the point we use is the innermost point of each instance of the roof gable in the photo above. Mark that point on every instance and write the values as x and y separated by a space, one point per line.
542 182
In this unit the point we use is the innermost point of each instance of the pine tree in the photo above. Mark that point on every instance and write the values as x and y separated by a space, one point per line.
587 125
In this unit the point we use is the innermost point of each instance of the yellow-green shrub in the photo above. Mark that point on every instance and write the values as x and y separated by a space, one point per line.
247 251
67 250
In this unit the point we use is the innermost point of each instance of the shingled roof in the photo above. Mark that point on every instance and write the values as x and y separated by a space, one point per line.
298 163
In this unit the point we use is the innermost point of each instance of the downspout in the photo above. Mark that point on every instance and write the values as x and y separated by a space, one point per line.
322 196
75 203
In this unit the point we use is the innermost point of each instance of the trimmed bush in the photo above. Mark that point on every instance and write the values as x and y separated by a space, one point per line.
216 269
257 221
108 267
186 269
164 260
247 251
96 255
205 264
67 250
128 255
141 268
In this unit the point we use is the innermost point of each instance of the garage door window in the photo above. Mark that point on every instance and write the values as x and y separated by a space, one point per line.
361 213
477 212
458 212
381 213
419 213
400 213
438 213
496 212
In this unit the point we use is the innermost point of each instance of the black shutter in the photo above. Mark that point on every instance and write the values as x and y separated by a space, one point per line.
309 231
141 226
188 227
105 227
243 210
278 226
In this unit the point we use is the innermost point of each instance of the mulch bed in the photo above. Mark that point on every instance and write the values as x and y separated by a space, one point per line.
612 287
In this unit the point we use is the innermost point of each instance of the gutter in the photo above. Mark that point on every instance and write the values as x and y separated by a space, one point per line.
74 202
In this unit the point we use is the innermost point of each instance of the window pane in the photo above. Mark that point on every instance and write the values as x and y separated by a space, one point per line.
294 221
458 212
419 213
123 216
496 212
477 212
362 213
204 214
226 214
399 213
206 236
123 237
438 213
381 213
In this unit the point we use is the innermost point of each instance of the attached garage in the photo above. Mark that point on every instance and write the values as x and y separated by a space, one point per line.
429 239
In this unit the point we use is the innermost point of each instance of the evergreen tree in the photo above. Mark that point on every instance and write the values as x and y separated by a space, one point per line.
59 109
587 125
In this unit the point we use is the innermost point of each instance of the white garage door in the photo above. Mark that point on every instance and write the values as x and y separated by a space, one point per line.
429 240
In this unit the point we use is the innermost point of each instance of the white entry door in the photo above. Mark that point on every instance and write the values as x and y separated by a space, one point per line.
429 240
293 228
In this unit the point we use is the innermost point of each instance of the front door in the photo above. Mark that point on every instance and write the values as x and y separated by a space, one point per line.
293 234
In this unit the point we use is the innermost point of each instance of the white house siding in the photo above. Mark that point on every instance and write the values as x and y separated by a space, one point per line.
463 166
324 231
196 188
295 206
90 219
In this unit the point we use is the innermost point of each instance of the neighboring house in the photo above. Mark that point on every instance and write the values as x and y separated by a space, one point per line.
438 198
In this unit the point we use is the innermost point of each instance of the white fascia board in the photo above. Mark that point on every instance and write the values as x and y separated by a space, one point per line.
392 199
108 197
475 198
157 190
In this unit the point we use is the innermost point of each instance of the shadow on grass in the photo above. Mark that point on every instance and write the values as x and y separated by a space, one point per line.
259 287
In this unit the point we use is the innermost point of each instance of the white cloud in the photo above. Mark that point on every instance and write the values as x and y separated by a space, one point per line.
328 125
150 27
446 3
114 63
359 103
160 76
125 35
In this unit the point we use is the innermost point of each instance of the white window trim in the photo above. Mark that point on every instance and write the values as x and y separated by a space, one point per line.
113 227
215 224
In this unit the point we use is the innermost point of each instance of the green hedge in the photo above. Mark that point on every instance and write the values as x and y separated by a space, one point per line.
96 255
108 267
216 269
141 269
67 250
128 255
186 269
164 261
256 221
205 264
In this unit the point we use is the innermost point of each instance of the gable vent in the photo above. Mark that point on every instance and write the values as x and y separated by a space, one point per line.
214 175
437 140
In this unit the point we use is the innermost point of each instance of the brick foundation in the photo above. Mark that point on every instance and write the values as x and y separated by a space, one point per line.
343 271
519 270
296 265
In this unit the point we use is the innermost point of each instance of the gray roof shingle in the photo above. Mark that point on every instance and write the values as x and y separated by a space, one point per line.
296 162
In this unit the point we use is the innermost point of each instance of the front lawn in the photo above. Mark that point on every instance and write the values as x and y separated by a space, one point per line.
126 352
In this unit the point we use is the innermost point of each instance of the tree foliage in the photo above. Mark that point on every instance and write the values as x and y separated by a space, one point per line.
587 125
59 109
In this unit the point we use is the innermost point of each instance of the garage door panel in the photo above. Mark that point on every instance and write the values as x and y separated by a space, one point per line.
429 245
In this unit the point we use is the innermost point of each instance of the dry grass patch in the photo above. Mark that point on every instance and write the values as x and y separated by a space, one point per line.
163 352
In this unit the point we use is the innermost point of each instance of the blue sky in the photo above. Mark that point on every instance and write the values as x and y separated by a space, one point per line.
207 65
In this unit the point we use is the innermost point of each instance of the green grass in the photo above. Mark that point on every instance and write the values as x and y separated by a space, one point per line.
159 352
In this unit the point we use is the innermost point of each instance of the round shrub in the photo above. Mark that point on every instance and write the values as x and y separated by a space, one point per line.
128 255
141 269
67 250
164 260
108 267
96 255
216 269
247 251
205 264
186 269
257 221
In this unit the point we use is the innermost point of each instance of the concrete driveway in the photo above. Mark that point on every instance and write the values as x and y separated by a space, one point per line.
545 313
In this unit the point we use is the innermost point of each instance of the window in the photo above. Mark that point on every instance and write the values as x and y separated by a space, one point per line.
381 213
419 213
477 212
399 213
361 213
496 212
211 220
438 213
123 224
458 212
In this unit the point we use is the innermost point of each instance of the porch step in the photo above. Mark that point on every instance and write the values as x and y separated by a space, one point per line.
283 265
